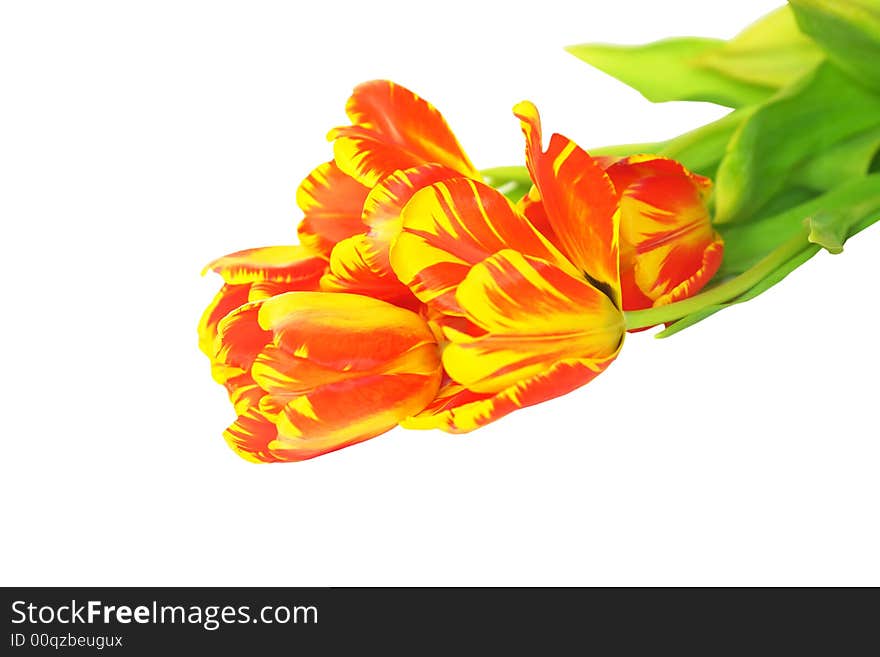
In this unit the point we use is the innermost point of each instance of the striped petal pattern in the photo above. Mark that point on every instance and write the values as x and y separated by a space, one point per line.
453 225
522 320
669 248
578 199
256 274
394 129
331 203
323 371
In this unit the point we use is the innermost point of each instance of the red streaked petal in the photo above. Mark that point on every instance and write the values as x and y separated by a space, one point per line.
452 225
244 393
666 224
225 301
534 314
383 209
393 128
348 412
628 170
351 271
531 208
457 410
345 332
251 435
677 267
240 337
332 203
578 198
296 265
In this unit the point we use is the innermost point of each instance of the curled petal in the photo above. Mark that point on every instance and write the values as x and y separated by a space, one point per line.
624 171
225 301
383 209
296 265
356 268
578 199
394 129
239 339
453 225
332 203
673 249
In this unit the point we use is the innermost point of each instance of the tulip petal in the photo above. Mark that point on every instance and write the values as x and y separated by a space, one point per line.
451 226
624 171
240 338
383 209
332 203
344 332
394 129
225 301
458 410
349 412
534 315
579 201
250 436
297 265
531 207
676 250
351 270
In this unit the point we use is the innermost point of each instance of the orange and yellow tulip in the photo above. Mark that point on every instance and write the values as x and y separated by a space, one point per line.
525 318
668 247
422 296
313 372
397 143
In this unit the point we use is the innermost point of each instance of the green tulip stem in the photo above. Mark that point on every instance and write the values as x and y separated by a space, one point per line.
726 291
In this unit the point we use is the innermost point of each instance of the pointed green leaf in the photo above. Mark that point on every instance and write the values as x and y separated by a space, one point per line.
826 231
670 70
771 52
831 219
745 70
746 244
848 30
808 117
848 159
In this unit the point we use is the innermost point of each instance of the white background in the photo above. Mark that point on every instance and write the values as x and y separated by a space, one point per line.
142 139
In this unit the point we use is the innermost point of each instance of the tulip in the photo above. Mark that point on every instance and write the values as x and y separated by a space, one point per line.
397 143
668 247
314 372
524 318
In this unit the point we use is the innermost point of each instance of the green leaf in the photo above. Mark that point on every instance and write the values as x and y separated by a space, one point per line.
746 244
701 150
827 232
771 52
772 279
845 160
670 70
848 30
745 70
812 115
830 220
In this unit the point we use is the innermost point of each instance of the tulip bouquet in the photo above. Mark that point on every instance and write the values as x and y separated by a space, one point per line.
426 293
